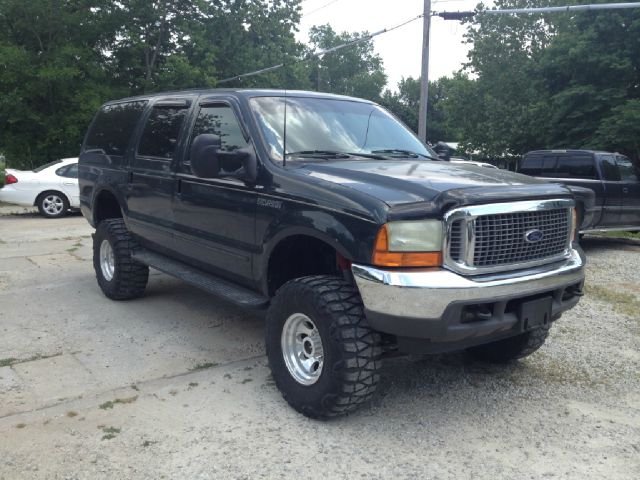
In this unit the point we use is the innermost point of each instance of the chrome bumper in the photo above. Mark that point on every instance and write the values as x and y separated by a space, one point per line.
426 294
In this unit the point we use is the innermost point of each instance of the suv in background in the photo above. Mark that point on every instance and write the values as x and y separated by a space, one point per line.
614 178
330 216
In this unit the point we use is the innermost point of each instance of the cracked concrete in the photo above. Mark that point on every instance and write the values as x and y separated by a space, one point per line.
570 411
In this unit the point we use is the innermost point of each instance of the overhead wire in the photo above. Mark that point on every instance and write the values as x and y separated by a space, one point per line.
320 53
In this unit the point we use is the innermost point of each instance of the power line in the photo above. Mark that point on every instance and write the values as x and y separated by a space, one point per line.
566 8
320 8
323 52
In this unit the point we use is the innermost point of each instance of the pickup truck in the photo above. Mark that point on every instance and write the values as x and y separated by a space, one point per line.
329 216
614 179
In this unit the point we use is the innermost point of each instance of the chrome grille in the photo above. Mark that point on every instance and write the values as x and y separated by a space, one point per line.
455 241
500 237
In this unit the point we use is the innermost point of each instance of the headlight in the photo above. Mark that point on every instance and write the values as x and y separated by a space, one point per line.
415 243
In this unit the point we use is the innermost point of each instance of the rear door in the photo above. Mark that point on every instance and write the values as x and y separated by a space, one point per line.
630 185
68 176
152 179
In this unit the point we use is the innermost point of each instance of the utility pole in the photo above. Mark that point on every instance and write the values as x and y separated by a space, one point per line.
424 78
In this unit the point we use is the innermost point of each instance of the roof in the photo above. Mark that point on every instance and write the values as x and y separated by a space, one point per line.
243 92
565 150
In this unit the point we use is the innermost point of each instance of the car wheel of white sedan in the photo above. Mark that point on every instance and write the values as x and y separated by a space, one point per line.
53 204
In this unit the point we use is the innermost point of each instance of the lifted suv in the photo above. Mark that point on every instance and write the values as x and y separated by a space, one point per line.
331 216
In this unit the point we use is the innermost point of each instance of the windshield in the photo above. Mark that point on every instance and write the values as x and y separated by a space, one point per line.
321 126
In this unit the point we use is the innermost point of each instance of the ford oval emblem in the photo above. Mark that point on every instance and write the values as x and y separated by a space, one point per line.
533 236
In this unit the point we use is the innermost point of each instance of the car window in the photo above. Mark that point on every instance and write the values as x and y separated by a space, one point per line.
609 168
160 138
548 166
576 166
113 126
221 120
72 171
628 171
531 166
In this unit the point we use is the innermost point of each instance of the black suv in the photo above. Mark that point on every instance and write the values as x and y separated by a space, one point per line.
331 216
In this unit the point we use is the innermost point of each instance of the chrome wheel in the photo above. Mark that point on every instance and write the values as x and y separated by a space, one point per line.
107 261
53 204
302 349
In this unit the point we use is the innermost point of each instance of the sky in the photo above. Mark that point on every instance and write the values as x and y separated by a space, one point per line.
400 49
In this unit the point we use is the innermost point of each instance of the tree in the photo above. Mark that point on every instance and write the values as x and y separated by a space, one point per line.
52 77
356 70
61 59
558 80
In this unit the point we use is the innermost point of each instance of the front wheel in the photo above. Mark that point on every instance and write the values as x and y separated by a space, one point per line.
119 276
512 348
323 355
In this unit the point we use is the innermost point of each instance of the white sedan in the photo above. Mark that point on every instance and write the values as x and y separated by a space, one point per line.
53 188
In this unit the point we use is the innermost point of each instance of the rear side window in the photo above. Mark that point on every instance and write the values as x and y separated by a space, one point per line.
113 127
68 171
531 166
610 170
576 166
161 133
538 165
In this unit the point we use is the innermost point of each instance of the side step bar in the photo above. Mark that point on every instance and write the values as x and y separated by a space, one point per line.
222 288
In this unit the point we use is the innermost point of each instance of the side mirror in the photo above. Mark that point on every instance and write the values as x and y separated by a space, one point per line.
204 155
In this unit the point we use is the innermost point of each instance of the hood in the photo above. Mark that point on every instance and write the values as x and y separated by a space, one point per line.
401 183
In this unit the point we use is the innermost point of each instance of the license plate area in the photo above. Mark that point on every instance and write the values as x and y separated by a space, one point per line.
535 313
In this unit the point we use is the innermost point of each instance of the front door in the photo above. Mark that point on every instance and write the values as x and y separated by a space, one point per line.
215 218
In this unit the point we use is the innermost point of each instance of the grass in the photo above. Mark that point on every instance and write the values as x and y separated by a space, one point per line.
625 234
123 401
203 366
72 414
110 432
21 425
9 362
624 303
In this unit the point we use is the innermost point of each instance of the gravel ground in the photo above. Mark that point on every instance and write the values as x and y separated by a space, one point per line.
175 385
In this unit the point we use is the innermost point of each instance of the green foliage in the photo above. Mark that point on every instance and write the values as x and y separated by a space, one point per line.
61 59
556 80
356 70
405 103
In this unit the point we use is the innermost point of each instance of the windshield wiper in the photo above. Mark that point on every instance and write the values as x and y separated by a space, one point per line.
319 153
404 153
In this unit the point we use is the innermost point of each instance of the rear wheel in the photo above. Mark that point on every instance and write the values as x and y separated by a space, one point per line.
52 204
323 355
512 348
119 276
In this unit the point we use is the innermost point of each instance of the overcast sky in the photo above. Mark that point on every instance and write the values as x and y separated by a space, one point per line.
401 49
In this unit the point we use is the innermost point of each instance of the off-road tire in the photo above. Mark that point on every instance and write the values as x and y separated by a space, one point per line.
351 348
512 348
129 278
40 203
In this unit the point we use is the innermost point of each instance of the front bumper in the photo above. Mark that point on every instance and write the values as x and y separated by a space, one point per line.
440 306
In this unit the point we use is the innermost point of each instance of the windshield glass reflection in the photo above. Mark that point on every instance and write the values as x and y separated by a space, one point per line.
323 126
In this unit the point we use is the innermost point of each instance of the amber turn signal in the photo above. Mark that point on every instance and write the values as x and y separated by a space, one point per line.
382 257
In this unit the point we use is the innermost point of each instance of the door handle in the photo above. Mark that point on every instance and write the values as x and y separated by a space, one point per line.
625 190
70 184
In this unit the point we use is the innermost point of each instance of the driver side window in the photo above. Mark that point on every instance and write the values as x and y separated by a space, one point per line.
221 120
